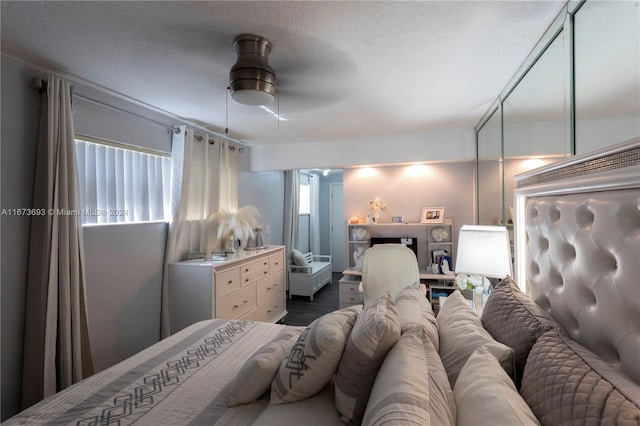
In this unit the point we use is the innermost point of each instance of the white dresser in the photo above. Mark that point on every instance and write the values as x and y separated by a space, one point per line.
248 285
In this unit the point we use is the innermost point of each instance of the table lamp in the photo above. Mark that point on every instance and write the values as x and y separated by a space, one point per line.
484 251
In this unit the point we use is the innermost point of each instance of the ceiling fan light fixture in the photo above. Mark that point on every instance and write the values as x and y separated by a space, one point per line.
252 80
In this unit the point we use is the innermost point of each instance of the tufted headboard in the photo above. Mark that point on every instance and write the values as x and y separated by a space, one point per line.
577 234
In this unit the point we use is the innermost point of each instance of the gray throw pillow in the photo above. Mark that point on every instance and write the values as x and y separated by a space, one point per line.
486 396
411 387
415 310
461 333
375 332
513 318
314 358
564 383
298 258
257 373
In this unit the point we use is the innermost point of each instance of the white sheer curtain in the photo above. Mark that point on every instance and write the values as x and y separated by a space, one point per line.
122 185
228 196
291 205
57 351
314 214
203 175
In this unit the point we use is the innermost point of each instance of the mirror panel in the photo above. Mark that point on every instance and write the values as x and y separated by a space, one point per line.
535 112
489 182
536 118
607 70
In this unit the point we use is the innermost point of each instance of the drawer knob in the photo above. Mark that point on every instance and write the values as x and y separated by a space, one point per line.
265 272
230 282
268 288
243 302
265 263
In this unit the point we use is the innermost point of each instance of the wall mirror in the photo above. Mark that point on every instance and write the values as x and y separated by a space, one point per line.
489 192
607 66
536 118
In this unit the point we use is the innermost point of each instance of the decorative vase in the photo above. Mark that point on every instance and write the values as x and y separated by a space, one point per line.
230 243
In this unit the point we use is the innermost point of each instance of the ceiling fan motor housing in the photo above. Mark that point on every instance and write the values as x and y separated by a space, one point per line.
252 80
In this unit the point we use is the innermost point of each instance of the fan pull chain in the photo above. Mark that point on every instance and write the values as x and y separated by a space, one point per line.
226 112
278 100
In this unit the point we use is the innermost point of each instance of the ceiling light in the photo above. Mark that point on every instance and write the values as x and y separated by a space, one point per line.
252 80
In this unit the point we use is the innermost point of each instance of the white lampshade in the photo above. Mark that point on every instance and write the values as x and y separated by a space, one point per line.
484 250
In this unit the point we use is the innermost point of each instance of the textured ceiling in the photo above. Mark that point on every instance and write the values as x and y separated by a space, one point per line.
345 69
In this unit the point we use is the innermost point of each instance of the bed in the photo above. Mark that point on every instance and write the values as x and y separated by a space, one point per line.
564 350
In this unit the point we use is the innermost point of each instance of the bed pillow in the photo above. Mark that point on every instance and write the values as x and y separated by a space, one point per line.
486 395
298 258
314 358
461 333
255 377
412 386
375 332
564 383
415 310
513 318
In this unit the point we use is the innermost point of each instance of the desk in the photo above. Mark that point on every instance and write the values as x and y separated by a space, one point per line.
424 275
351 294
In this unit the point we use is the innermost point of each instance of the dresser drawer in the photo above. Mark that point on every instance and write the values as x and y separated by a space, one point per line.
349 299
271 307
253 271
227 281
269 286
250 316
350 287
276 263
236 304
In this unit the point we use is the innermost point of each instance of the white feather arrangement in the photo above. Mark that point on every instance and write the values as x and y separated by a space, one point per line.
241 223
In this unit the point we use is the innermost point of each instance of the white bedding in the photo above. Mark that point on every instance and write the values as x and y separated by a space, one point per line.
181 380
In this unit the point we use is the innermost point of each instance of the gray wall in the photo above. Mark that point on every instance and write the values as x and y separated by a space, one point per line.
124 262
20 117
124 276
265 191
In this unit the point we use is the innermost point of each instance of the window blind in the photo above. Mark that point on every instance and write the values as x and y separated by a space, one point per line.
119 185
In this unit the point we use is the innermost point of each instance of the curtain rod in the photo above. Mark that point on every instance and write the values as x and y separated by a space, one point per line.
200 138
40 84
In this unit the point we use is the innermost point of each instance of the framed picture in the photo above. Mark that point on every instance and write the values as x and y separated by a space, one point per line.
432 215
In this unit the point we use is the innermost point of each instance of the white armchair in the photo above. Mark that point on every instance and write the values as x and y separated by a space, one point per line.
388 267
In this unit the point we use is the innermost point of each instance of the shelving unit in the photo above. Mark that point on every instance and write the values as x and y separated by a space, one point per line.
428 237
359 236
435 291
440 237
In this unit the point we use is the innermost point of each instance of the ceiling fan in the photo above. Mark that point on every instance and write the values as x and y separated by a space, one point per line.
252 81
318 75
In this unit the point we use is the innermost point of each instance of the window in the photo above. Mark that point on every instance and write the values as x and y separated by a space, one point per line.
119 185
305 199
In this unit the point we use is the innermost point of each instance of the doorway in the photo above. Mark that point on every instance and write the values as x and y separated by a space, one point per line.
338 227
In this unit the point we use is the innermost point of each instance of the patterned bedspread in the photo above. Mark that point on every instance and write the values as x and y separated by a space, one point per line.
181 380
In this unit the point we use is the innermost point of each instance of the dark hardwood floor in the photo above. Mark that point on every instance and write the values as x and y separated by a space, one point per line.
301 311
